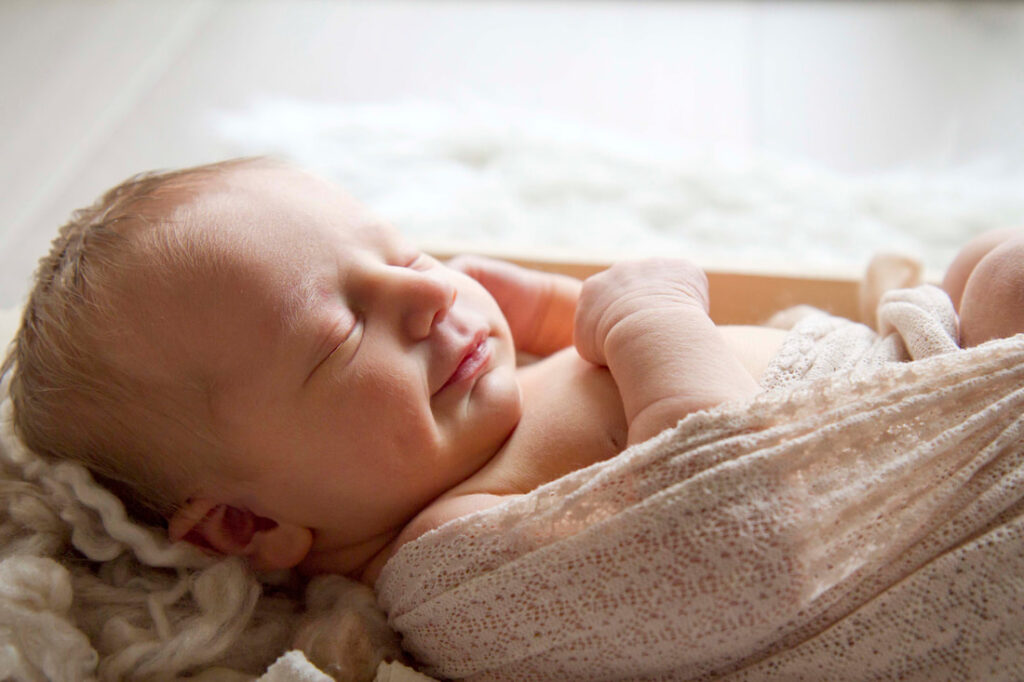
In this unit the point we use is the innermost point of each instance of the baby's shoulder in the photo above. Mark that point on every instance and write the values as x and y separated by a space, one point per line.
446 508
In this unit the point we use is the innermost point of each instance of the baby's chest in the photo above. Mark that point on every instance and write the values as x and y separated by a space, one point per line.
572 418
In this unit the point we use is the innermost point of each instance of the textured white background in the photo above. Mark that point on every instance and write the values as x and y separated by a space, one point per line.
775 132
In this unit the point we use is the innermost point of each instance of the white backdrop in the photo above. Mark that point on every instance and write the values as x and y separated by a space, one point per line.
674 120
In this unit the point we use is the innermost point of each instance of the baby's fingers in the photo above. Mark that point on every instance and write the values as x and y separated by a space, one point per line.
591 324
626 293
479 268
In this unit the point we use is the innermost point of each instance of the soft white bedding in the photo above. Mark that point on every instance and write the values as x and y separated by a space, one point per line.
510 181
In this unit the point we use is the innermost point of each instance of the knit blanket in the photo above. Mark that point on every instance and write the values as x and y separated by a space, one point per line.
863 518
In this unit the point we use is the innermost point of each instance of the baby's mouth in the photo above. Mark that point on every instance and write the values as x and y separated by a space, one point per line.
475 357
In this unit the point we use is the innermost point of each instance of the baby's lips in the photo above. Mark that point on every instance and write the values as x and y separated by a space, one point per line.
462 351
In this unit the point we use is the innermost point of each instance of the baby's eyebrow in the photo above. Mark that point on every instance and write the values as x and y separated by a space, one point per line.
301 298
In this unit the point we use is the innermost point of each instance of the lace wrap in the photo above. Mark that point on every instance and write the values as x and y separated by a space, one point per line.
855 521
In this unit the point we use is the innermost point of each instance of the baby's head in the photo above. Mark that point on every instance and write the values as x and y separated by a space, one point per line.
254 357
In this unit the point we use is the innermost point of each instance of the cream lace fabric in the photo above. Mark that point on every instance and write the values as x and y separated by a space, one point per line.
861 519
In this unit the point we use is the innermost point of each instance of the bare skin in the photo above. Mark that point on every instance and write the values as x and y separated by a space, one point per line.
370 393
986 283
620 384
651 384
384 400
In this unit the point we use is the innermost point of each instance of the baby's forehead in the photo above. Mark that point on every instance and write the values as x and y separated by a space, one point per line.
283 241
271 208
279 234
235 264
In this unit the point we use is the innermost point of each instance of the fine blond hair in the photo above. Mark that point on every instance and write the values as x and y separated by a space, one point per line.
72 399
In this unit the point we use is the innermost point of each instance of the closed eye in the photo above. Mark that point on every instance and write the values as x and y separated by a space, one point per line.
345 344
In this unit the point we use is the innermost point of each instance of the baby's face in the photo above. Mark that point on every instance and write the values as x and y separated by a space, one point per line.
357 379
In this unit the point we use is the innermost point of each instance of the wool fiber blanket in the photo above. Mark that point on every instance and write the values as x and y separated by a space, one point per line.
863 518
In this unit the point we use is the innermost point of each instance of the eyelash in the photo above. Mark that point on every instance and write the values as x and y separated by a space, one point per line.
353 329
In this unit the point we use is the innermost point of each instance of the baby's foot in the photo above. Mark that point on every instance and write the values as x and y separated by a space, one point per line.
992 305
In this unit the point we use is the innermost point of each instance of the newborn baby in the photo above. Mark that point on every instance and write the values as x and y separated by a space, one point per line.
244 350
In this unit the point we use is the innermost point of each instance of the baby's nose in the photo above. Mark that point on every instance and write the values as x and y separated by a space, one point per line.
428 298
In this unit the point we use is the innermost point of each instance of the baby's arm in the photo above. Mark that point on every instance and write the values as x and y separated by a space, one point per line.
539 306
647 321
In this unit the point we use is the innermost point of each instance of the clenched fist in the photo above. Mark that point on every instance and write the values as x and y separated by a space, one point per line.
632 297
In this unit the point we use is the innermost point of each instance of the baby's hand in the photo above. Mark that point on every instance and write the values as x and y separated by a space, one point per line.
633 297
648 323
538 305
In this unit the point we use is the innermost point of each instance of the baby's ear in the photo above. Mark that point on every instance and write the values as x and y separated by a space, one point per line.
232 531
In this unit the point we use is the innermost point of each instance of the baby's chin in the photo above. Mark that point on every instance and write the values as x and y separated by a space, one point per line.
499 394
493 410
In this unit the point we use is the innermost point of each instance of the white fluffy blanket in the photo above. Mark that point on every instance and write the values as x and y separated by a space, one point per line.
866 524
507 180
